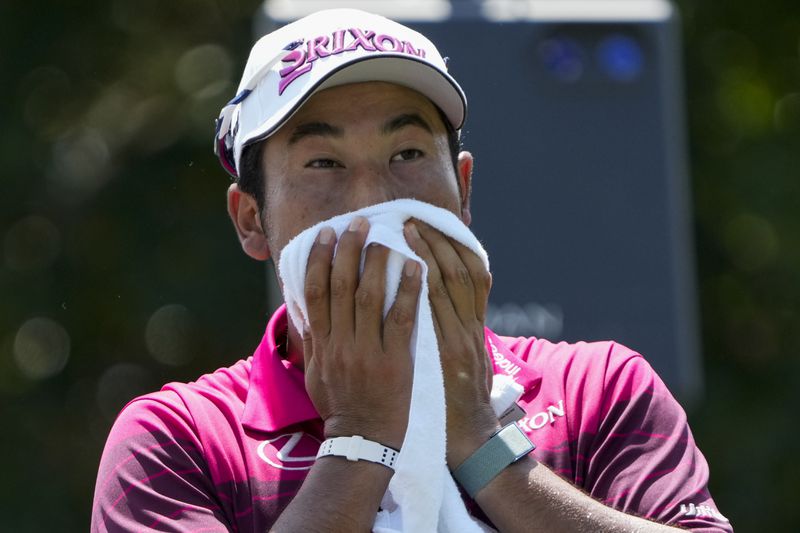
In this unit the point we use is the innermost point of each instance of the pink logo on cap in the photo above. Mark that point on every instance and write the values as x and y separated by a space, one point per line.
340 41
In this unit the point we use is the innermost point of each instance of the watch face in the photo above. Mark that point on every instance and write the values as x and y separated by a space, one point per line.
517 441
509 445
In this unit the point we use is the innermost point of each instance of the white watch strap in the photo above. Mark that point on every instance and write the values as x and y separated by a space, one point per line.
358 448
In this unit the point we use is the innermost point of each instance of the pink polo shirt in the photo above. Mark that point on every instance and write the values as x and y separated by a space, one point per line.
229 451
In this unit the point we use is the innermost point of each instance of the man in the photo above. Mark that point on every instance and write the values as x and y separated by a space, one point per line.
336 112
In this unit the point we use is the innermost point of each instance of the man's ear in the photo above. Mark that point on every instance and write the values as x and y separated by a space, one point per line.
464 167
243 210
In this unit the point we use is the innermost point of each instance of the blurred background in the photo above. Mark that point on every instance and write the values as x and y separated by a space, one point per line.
119 270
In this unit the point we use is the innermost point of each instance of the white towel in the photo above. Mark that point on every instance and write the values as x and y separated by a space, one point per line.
422 495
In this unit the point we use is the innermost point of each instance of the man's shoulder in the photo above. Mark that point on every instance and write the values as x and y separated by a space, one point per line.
598 358
577 380
226 383
165 441
178 405
591 378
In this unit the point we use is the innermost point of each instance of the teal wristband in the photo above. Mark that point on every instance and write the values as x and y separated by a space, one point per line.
505 447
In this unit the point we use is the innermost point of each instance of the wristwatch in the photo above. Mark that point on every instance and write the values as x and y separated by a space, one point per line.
506 446
358 448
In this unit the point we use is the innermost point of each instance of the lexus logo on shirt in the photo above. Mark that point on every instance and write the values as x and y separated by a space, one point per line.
291 451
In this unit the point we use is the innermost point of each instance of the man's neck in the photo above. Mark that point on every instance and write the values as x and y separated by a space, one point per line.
292 348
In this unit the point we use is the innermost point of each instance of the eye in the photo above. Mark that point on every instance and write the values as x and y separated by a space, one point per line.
408 155
323 163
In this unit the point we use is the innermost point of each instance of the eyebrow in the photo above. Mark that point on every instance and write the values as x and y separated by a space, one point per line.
323 129
406 119
309 129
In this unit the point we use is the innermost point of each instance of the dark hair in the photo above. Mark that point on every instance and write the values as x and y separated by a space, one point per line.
251 173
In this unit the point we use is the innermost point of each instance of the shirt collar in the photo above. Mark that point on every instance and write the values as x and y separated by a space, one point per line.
277 396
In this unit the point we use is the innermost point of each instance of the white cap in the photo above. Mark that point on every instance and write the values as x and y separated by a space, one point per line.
326 49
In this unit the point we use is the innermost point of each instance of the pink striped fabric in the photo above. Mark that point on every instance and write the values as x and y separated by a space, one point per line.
229 451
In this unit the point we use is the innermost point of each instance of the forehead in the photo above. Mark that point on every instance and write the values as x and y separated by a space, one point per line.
363 102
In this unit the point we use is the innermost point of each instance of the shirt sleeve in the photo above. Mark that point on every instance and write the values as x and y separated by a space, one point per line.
642 458
152 474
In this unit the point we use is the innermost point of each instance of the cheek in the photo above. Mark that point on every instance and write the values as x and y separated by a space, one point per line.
436 183
294 206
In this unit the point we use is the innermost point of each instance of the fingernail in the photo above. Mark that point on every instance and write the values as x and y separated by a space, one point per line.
412 230
326 235
410 268
357 224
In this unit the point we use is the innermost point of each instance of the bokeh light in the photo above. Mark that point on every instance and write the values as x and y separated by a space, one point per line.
620 57
745 102
168 335
41 348
80 162
563 58
203 70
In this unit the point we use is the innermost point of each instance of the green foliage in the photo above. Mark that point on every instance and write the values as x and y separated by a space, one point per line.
120 271
743 87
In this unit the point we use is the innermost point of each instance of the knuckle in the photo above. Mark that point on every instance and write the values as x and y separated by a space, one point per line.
401 318
461 276
365 298
313 293
484 280
339 287
438 288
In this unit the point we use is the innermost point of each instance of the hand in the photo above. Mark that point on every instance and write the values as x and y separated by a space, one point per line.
458 288
358 368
